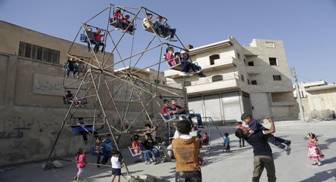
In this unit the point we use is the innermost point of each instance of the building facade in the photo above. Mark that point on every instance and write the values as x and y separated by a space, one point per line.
253 79
318 100
32 87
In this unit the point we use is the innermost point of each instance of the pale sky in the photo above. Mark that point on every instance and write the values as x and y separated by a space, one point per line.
307 27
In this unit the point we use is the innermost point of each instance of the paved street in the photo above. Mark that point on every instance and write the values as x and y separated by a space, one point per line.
231 167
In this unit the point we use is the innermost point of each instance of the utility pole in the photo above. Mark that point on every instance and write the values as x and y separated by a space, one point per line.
298 93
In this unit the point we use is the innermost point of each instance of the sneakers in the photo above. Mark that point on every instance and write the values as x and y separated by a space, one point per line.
288 149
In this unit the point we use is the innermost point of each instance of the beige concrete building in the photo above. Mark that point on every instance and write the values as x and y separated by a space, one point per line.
254 79
318 100
32 86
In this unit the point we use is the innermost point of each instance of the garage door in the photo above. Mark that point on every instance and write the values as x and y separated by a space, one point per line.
231 107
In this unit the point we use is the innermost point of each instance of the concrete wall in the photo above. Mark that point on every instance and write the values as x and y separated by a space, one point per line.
11 35
32 109
320 104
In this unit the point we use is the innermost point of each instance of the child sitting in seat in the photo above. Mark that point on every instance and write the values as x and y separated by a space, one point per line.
151 153
117 18
68 97
177 57
169 57
136 144
163 29
98 41
147 22
126 25
187 65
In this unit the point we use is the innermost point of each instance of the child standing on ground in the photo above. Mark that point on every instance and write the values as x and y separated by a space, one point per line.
226 142
116 165
314 152
241 140
81 163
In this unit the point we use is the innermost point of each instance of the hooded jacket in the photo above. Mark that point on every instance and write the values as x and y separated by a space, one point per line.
186 152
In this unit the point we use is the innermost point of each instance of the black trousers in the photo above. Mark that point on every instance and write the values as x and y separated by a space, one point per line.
277 141
192 176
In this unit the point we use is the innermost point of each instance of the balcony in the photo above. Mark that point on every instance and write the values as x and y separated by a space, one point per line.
227 84
220 65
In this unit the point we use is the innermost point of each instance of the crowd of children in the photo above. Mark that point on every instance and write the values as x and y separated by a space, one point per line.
119 20
186 144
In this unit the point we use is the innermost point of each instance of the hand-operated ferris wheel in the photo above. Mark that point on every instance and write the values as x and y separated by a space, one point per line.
111 70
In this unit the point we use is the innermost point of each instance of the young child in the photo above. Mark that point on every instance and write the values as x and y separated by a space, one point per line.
169 56
205 139
187 153
116 165
241 140
226 142
136 144
81 163
314 152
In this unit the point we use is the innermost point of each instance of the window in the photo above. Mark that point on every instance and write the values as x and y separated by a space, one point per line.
254 82
40 53
248 82
277 77
213 58
242 78
250 63
157 81
187 83
217 78
273 61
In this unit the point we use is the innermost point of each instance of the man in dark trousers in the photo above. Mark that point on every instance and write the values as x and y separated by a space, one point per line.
263 157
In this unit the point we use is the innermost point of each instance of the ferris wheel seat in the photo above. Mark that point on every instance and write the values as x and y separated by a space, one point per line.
83 38
78 129
177 67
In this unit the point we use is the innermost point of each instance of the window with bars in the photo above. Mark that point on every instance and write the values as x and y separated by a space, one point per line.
39 53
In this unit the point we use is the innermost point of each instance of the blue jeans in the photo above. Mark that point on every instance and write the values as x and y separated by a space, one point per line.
148 154
186 66
279 142
151 154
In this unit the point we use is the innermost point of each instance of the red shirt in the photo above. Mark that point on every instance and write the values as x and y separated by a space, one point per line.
117 15
165 110
136 146
98 37
170 58
80 161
